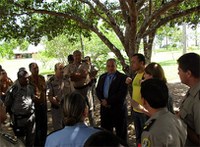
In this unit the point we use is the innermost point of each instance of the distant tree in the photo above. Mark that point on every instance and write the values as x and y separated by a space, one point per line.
6 48
133 21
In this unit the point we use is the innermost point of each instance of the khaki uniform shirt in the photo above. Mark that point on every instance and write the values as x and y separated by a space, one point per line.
7 140
164 129
78 68
58 87
4 85
190 110
39 89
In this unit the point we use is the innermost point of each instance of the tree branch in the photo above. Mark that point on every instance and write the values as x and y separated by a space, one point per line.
165 20
112 21
157 13
140 3
68 15
124 9
112 47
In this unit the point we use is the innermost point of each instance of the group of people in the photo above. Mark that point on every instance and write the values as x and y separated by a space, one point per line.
155 121
70 91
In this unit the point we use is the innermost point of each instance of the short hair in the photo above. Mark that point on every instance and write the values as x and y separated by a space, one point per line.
191 62
155 92
31 64
104 139
2 71
112 59
156 71
76 52
56 65
74 105
70 58
87 57
140 57
21 73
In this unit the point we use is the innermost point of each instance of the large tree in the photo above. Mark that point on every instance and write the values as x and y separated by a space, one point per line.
133 21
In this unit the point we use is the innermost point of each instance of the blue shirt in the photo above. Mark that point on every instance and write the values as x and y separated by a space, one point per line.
108 81
70 136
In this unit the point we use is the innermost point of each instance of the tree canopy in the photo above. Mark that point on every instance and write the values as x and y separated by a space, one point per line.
133 21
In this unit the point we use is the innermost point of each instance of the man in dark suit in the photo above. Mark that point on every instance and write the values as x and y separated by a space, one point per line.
111 91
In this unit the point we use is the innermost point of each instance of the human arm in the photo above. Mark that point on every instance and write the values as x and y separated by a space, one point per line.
77 76
193 136
81 73
118 90
51 94
138 107
99 88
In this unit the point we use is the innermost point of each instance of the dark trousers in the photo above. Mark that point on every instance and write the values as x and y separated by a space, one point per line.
24 129
111 119
139 122
41 124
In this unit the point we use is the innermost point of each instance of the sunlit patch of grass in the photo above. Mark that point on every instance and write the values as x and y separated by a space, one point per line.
168 63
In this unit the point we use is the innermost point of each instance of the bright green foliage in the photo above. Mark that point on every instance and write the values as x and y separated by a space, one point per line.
132 21
6 49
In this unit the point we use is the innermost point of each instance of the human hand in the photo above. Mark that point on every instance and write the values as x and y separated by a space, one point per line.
104 103
55 100
128 80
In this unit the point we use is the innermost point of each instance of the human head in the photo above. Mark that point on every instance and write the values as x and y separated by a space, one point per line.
111 65
189 67
154 70
22 76
59 69
77 56
87 59
138 61
155 92
3 74
70 59
33 67
74 108
3 115
104 139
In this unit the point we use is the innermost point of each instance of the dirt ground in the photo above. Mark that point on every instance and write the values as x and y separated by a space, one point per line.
177 91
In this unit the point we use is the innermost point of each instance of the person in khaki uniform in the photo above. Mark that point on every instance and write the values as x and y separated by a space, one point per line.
5 83
162 128
57 87
39 84
189 73
78 72
7 140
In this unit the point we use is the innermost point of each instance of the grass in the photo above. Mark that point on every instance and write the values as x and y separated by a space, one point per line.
46 72
168 63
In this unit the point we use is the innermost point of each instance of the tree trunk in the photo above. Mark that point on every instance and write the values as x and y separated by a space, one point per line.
148 45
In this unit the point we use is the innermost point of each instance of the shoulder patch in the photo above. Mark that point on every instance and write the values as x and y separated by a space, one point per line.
10 138
148 125
146 142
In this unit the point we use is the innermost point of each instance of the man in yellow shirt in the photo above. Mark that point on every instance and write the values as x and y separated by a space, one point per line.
139 118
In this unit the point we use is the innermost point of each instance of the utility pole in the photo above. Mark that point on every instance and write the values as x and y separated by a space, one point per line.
184 38
82 45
